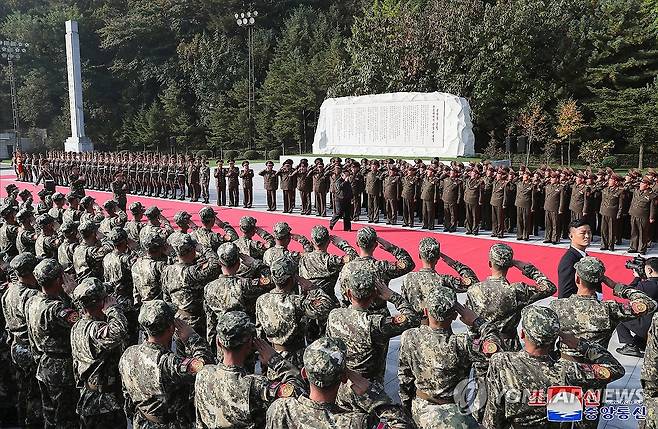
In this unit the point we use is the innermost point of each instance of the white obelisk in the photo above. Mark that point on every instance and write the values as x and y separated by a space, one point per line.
78 142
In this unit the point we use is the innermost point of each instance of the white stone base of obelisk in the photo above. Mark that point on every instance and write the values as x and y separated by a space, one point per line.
78 144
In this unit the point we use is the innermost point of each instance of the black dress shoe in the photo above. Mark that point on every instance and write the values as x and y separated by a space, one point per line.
632 251
630 350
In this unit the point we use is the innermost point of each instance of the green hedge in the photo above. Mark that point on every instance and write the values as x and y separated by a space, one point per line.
274 154
252 155
231 154
204 153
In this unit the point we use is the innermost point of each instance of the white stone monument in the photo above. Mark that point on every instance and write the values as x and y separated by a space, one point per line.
396 124
78 142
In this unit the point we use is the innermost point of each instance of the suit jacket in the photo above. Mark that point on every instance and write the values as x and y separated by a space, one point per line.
566 285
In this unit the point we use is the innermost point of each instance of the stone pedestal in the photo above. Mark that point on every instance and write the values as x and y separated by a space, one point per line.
78 144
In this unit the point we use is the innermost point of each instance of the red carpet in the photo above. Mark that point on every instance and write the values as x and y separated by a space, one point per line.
469 250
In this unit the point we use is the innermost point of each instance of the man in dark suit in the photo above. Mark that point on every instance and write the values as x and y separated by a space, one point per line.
580 234
633 334
343 194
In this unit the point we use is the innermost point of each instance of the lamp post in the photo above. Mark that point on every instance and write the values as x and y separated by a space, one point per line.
11 51
248 20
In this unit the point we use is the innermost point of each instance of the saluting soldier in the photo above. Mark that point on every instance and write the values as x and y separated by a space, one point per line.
247 176
287 185
391 191
271 184
555 202
410 194
232 179
358 183
611 211
429 195
220 182
525 206
320 187
473 200
304 185
374 190
451 189
643 214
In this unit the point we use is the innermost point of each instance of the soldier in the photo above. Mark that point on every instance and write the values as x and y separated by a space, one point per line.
77 182
220 182
611 211
320 187
73 212
358 183
88 255
91 211
643 213
367 241
184 280
555 203
434 361
304 186
282 235
285 174
45 202
69 241
525 206
96 343
499 302
416 286
26 200
47 243
147 270
184 221
26 236
366 334
156 222
452 190
204 176
193 174
342 201
247 245
133 227
535 369
325 366
232 175
8 231
57 210
579 201
429 195
271 184
649 376
119 189
410 194
473 200
247 176
373 190
165 403
181 177
114 218
228 292
50 316
219 388
488 181
208 238
14 302
392 189
499 201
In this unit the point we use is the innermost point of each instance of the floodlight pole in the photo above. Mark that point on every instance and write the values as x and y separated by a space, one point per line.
12 51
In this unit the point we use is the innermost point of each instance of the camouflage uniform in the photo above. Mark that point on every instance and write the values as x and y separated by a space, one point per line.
382 270
324 361
97 346
520 373
46 245
65 253
366 334
649 376
280 231
156 381
118 219
209 238
417 285
499 302
433 362
88 259
248 246
153 215
14 302
49 321
184 284
26 236
226 396
146 272
281 316
8 232
134 227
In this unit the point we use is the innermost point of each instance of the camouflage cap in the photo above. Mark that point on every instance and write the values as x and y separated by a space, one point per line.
429 249
229 254
58 196
85 201
207 213
89 291
319 234
590 269
501 255
234 328
247 223
43 192
87 226
361 283
366 237
45 219
7 208
25 193
282 269
182 218
136 207
182 243
23 214
23 263
540 324
69 226
11 188
110 204
47 270
72 196
325 361
441 302
156 316
117 235
152 212
281 230
152 240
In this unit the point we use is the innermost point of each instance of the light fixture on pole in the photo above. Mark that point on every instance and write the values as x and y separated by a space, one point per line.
248 20
11 51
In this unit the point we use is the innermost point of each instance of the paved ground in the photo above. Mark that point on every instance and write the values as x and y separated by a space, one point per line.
632 365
